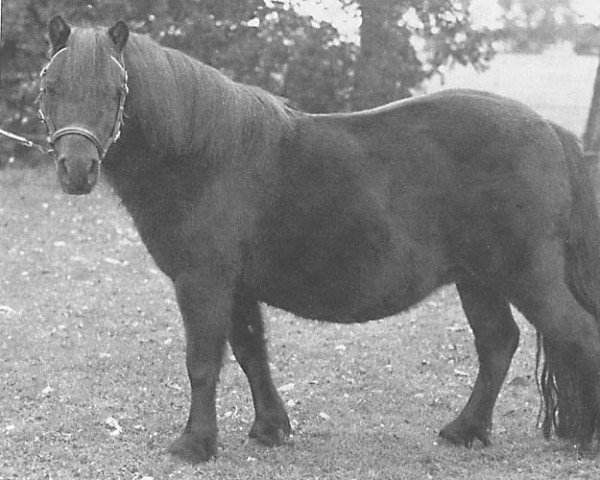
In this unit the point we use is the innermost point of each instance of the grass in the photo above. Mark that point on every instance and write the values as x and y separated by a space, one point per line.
93 383
557 84
91 335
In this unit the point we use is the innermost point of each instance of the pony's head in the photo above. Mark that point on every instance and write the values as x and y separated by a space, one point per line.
82 97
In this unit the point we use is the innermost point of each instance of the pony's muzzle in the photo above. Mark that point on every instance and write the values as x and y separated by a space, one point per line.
77 163
77 176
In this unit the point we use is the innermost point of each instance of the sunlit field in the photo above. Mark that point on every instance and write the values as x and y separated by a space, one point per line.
557 84
92 376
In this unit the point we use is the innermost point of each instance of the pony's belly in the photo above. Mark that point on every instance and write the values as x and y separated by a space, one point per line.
354 291
339 306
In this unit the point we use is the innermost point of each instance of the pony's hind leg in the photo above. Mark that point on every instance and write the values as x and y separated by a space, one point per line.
496 339
271 425
571 341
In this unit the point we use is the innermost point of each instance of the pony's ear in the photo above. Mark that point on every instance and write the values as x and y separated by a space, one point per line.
58 31
119 33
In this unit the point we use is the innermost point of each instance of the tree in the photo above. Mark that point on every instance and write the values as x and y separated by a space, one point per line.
265 43
383 72
389 65
531 25
271 46
591 136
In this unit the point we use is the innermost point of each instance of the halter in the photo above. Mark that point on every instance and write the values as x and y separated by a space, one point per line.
54 134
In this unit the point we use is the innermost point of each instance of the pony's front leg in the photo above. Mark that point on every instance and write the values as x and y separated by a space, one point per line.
271 426
205 302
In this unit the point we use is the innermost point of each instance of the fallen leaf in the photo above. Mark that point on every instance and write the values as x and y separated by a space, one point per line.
229 413
47 391
457 328
79 259
112 261
114 425
286 388
7 310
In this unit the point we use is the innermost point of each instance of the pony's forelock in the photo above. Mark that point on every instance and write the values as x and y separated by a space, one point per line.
88 58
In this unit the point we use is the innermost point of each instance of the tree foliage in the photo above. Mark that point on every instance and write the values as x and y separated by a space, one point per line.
261 42
405 42
531 25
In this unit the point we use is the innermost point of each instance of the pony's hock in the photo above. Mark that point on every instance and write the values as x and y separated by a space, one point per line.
348 217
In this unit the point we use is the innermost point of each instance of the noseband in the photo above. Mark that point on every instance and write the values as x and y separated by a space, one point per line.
54 134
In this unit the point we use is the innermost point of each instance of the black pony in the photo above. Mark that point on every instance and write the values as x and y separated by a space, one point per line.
344 217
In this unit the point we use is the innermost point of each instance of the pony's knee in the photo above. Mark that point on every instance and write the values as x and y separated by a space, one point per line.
501 337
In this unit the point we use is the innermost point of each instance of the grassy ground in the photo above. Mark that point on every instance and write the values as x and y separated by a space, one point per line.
557 84
92 377
93 383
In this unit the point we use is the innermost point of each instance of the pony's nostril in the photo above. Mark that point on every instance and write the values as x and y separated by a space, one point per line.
62 164
93 173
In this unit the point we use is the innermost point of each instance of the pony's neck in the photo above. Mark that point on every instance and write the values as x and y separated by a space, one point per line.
184 107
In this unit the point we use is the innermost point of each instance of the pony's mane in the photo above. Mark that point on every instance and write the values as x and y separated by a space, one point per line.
184 106
181 105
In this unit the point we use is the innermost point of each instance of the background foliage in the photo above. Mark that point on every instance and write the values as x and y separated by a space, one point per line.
266 43
269 43
529 26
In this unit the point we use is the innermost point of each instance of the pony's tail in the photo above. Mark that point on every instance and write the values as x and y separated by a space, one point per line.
568 397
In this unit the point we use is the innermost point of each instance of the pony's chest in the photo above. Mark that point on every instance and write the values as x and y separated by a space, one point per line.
184 231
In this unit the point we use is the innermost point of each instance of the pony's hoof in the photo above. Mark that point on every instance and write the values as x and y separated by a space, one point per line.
194 449
271 434
459 432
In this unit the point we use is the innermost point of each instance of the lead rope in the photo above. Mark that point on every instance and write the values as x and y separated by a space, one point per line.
25 142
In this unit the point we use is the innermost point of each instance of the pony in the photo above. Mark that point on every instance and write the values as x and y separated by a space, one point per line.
347 217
